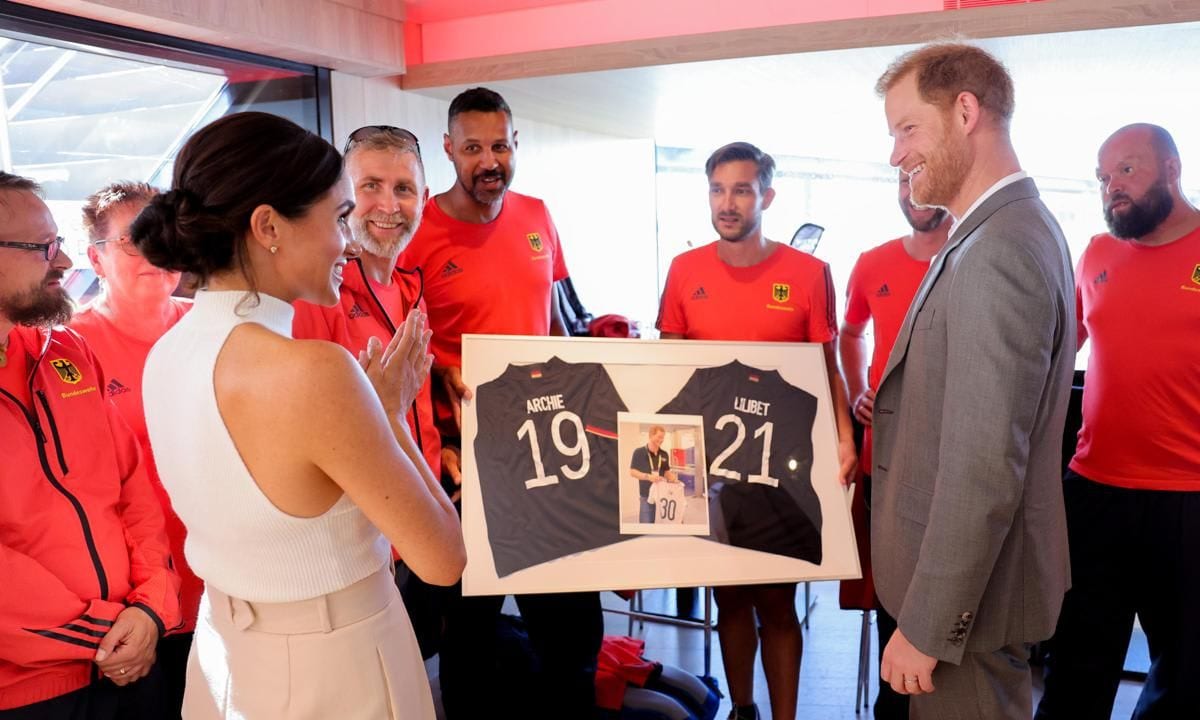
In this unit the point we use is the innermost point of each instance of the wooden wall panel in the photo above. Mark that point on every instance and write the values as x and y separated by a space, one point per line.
365 37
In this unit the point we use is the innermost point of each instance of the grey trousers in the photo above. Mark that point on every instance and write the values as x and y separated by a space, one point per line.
985 686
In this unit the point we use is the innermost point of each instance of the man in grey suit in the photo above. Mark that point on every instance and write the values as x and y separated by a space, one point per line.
968 529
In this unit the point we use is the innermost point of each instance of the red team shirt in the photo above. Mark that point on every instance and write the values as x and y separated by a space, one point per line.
1140 307
123 359
882 285
356 318
493 278
786 298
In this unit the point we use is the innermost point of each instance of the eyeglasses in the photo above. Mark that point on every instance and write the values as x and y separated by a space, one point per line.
49 250
368 131
122 242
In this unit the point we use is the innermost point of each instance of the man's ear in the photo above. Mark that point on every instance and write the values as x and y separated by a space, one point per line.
93 254
768 198
966 111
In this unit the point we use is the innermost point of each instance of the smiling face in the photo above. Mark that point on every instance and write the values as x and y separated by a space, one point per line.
127 275
927 147
482 146
31 291
389 189
314 248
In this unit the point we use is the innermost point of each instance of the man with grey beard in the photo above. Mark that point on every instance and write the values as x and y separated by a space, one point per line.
1133 487
86 568
377 294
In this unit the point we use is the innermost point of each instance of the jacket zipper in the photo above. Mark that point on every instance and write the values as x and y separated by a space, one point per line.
36 425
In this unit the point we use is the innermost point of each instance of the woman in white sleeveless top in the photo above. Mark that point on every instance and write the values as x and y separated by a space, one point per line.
285 458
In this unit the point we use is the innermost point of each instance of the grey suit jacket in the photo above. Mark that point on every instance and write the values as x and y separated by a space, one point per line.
968 532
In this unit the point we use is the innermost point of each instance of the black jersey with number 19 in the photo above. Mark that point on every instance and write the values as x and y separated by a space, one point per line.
546 450
758 436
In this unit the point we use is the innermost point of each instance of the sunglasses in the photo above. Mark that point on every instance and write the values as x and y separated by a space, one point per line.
49 250
369 131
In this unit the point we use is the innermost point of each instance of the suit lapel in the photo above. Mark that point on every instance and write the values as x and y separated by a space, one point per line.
1018 190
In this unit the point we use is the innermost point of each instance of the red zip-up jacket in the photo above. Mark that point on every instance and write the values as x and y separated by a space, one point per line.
359 315
81 532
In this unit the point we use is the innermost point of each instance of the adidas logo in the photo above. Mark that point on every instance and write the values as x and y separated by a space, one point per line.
116 388
450 269
1101 278
700 294
883 291
357 312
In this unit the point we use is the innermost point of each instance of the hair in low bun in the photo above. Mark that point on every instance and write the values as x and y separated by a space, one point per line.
226 170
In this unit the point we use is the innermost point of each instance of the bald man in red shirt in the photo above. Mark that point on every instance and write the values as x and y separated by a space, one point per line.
1133 488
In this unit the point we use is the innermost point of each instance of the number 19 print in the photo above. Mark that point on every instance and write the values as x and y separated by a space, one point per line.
547 461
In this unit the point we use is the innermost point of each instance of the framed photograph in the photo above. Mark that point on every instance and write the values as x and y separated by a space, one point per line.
664 486
741 488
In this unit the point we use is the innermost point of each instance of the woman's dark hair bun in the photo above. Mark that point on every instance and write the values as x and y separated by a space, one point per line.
223 172
175 232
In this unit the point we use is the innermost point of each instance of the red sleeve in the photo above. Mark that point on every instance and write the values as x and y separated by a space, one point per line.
670 310
152 577
560 260
1081 332
41 621
822 315
858 310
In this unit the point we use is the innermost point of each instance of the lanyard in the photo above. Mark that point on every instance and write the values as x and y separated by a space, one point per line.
653 457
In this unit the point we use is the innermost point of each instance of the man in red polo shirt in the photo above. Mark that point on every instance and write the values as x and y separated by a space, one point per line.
882 285
491 257
747 287
86 585
133 310
1133 488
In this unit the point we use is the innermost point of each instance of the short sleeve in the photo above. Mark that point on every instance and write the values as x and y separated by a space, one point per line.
822 318
671 318
560 260
603 404
858 310
687 402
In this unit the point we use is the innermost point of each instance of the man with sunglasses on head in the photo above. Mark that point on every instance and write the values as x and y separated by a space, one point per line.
491 258
385 167
134 309
88 584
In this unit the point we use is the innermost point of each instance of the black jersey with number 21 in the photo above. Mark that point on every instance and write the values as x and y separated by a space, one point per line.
546 450
758 438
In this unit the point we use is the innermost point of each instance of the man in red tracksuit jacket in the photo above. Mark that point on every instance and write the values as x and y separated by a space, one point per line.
86 583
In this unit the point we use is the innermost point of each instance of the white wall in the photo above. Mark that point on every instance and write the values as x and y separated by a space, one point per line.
600 189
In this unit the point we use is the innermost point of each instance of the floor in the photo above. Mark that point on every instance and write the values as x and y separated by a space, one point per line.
829 669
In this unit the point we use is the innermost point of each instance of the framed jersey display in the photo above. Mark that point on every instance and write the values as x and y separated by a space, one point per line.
594 464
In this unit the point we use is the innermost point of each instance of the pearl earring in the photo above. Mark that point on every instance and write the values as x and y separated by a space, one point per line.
274 249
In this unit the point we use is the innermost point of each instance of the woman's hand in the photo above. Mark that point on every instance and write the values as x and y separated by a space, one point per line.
398 371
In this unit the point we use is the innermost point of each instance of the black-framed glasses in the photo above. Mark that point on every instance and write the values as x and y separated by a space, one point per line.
122 242
368 131
49 250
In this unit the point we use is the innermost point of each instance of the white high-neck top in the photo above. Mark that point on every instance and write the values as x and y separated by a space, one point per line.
237 539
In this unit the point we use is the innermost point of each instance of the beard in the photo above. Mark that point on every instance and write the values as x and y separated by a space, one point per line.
744 227
364 235
39 307
482 195
929 224
945 170
1143 215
